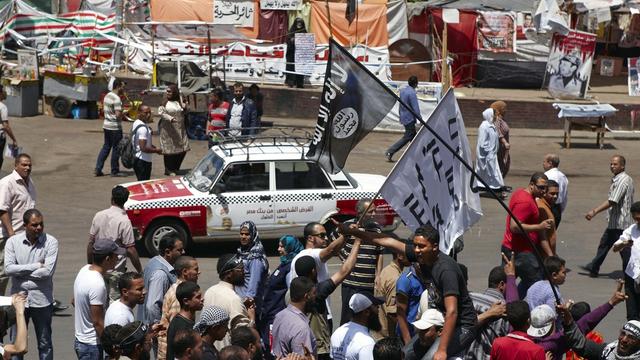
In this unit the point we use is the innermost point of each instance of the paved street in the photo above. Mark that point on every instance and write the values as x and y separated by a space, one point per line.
64 153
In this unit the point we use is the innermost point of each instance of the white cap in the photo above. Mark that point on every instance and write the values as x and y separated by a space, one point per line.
542 318
428 319
362 301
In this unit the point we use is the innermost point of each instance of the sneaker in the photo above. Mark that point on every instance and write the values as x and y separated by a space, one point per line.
119 174
58 306
98 173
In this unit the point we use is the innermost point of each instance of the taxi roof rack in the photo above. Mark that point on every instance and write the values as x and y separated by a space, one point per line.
276 136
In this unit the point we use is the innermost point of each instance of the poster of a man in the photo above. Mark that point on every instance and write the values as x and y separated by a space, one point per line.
634 76
569 65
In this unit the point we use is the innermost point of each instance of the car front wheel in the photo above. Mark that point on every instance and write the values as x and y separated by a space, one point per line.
160 228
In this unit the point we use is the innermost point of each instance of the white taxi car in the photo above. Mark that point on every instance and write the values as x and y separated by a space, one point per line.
268 182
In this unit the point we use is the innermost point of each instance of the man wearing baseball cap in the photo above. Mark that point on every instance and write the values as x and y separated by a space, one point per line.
627 346
352 340
427 339
90 296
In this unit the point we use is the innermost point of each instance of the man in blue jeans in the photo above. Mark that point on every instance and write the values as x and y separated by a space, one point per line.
409 97
112 127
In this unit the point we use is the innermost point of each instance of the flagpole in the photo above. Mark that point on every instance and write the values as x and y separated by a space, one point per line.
536 252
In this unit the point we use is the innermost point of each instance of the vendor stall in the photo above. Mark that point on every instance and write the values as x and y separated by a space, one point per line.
584 117
64 88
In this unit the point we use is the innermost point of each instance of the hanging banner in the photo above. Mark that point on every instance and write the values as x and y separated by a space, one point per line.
280 4
569 65
428 185
631 36
232 12
497 31
634 76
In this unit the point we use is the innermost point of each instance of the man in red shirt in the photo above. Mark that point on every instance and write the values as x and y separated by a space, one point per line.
524 208
517 345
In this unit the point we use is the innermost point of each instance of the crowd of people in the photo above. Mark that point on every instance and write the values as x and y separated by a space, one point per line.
418 306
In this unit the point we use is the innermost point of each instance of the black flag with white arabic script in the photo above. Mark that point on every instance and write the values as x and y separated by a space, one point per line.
353 103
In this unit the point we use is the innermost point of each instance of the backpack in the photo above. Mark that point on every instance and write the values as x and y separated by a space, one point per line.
127 148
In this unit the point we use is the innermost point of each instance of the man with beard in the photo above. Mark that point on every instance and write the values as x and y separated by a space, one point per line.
136 341
243 114
627 347
132 292
190 298
247 338
318 320
352 340
231 273
291 332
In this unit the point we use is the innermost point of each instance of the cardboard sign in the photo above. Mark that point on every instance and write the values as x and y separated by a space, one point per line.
305 52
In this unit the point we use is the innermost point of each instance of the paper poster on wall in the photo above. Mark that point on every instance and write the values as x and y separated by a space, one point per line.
280 4
305 52
497 31
634 76
27 65
524 22
233 12
569 65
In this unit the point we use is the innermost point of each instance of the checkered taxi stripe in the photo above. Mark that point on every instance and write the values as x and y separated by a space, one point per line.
230 200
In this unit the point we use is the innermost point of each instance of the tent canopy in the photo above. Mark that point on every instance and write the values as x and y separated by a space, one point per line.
503 5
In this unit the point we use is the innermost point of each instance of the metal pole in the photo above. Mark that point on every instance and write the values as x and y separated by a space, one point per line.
210 59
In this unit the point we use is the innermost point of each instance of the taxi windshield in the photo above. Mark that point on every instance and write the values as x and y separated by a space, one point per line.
204 174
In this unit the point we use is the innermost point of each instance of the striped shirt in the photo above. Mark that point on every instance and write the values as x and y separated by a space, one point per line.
480 348
363 275
621 194
111 104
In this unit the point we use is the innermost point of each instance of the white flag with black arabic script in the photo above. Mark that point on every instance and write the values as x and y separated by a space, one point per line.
353 103
429 185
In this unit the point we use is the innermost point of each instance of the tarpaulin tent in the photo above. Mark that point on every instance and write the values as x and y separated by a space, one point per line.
369 26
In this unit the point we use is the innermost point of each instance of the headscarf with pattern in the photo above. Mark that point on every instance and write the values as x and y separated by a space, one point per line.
211 316
253 250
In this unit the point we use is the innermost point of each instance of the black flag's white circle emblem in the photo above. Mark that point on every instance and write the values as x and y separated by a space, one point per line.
345 123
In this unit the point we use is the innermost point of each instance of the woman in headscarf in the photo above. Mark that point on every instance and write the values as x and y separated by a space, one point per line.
256 266
487 165
504 159
294 79
288 247
172 127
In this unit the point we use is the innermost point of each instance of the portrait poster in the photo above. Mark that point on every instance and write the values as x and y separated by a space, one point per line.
305 52
569 66
497 31
524 22
233 12
280 4
634 74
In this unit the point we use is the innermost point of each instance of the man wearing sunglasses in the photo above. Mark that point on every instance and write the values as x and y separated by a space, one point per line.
524 208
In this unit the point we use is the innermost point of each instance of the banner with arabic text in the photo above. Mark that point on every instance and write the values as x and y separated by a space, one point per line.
233 12
280 4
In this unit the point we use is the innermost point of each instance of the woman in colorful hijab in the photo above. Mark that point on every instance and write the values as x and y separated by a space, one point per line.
288 247
256 266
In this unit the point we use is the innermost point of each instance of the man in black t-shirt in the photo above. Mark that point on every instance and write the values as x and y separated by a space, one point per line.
306 266
190 298
451 298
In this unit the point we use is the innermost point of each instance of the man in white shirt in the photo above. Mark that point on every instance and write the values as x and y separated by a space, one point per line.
132 293
90 296
144 146
352 341
112 128
231 272
550 165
